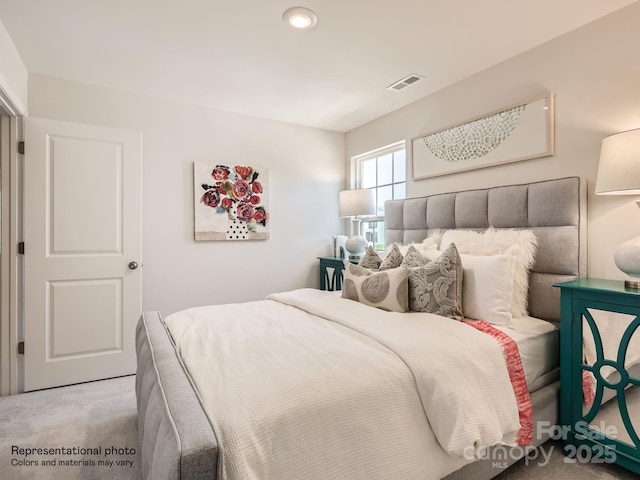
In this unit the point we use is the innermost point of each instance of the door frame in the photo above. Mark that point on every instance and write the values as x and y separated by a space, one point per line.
11 294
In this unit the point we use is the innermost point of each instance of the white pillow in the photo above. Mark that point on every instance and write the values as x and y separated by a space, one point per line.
487 285
432 242
494 242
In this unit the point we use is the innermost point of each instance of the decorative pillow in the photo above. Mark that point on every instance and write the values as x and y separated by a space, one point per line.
487 286
393 259
389 248
370 260
437 286
496 242
386 289
414 258
431 242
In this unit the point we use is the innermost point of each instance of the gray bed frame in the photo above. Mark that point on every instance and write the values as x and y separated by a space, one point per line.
176 438
555 210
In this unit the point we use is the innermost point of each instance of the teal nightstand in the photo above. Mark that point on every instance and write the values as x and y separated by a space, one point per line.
332 272
605 433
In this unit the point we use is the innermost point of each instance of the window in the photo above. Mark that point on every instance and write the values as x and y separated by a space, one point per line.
385 172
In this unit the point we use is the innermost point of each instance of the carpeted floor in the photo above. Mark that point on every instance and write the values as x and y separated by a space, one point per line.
89 431
86 431
551 464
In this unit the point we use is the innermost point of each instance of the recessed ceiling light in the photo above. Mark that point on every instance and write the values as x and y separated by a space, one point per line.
300 17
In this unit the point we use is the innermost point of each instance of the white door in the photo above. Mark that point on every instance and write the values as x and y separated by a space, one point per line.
82 293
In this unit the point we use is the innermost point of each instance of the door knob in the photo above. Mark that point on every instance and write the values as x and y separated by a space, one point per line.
133 265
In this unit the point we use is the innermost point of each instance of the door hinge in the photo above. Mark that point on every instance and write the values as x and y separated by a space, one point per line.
21 147
21 248
20 348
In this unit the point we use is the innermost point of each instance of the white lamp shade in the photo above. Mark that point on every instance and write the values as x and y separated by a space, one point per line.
357 202
619 174
619 166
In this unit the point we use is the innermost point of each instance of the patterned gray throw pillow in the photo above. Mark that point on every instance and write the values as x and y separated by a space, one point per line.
371 260
386 290
414 258
436 287
393 260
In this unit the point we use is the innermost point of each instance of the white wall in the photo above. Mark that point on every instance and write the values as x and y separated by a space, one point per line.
13 74
306 169
594 73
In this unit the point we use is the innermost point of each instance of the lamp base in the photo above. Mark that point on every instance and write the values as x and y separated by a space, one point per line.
356 244
633 284
627 259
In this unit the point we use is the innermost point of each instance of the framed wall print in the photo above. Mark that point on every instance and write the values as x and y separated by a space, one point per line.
519 132
231 202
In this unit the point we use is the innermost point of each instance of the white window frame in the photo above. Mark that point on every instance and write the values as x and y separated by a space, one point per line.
356 163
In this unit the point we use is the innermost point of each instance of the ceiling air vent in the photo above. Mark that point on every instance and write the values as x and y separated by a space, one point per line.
405 82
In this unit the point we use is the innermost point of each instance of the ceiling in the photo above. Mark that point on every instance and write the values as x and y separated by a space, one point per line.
240 56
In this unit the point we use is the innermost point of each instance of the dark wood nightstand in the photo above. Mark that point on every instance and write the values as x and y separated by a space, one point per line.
604 433
332 272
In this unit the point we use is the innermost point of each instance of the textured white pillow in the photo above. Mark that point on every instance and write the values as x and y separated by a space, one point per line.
487 285
494 242
432 242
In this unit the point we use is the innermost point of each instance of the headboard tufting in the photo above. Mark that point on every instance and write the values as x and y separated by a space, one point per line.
555 210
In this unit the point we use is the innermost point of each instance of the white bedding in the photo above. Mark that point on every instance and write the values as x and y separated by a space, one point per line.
538 344
539 347
367 394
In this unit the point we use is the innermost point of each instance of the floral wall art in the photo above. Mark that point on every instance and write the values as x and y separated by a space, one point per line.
231 202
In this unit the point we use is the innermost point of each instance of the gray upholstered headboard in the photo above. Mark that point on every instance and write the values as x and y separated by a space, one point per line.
555 210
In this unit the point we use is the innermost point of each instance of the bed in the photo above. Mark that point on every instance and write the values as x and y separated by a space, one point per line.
379 403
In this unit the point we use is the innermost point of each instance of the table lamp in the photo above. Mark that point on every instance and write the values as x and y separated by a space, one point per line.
356 203
619 174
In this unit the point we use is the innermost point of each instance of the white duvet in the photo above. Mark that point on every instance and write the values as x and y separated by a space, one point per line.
307 385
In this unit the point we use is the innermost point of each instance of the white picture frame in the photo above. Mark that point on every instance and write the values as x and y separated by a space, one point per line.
519 132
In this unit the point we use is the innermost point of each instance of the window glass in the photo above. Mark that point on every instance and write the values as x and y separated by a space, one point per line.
384 193
400 190
385 172
385 169
399 166
368 173
374 233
